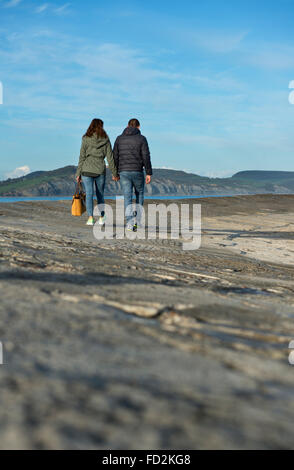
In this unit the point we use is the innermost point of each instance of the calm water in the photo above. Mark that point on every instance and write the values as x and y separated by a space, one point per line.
64 198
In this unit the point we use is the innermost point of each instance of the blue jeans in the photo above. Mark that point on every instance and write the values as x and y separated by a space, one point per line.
130 181
89 183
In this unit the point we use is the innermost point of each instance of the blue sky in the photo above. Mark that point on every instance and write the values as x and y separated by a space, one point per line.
208 81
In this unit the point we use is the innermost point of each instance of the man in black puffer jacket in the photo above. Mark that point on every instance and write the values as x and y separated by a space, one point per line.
131 155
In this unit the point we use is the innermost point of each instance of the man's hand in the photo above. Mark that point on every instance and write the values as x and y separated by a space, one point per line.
148 179
79 179
115 178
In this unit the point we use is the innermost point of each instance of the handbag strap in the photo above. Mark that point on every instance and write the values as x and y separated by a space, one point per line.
79 189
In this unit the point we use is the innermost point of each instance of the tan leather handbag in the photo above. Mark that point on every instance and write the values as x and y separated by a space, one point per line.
78 206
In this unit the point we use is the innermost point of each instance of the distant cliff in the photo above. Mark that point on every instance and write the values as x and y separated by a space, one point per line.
61 182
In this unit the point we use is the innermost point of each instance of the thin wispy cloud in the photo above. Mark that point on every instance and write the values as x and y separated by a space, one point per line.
113 78
12 3
63 9
203 92
42 8
217 41
270 55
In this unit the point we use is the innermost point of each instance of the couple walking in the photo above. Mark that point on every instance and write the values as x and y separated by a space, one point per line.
127 161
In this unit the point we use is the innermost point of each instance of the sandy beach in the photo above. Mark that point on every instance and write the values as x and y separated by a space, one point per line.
137 344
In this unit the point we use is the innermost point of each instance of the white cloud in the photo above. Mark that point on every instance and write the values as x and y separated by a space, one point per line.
211 40
103 83
62 9
42 8
12 3
218 41
115 62
118 81
167 168
18 172
219 173
269 55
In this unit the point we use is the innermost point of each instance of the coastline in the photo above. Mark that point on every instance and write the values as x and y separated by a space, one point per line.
13 199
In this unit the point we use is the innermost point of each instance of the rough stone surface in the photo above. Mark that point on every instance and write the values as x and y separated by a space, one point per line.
139 345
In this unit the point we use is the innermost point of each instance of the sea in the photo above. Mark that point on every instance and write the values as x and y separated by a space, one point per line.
68 198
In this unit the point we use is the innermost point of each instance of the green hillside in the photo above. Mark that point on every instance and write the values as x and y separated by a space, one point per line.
36 178
61 182
259 175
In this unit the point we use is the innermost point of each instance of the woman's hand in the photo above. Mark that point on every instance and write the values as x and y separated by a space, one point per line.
79 179
115 178
148 179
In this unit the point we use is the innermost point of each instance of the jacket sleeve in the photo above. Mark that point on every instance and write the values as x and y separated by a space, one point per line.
110 159
83 155
145 152
116 153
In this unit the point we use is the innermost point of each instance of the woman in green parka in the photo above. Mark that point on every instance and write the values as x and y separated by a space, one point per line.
92 170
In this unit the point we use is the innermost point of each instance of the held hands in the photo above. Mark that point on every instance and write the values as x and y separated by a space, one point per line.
79 179
148 179
115 178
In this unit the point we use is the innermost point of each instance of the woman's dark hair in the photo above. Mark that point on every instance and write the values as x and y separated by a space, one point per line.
134 123
96 127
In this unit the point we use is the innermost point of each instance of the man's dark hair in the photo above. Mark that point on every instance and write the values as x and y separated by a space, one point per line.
134 123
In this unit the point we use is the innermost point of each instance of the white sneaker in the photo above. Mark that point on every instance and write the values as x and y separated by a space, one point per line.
102 220
90 221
